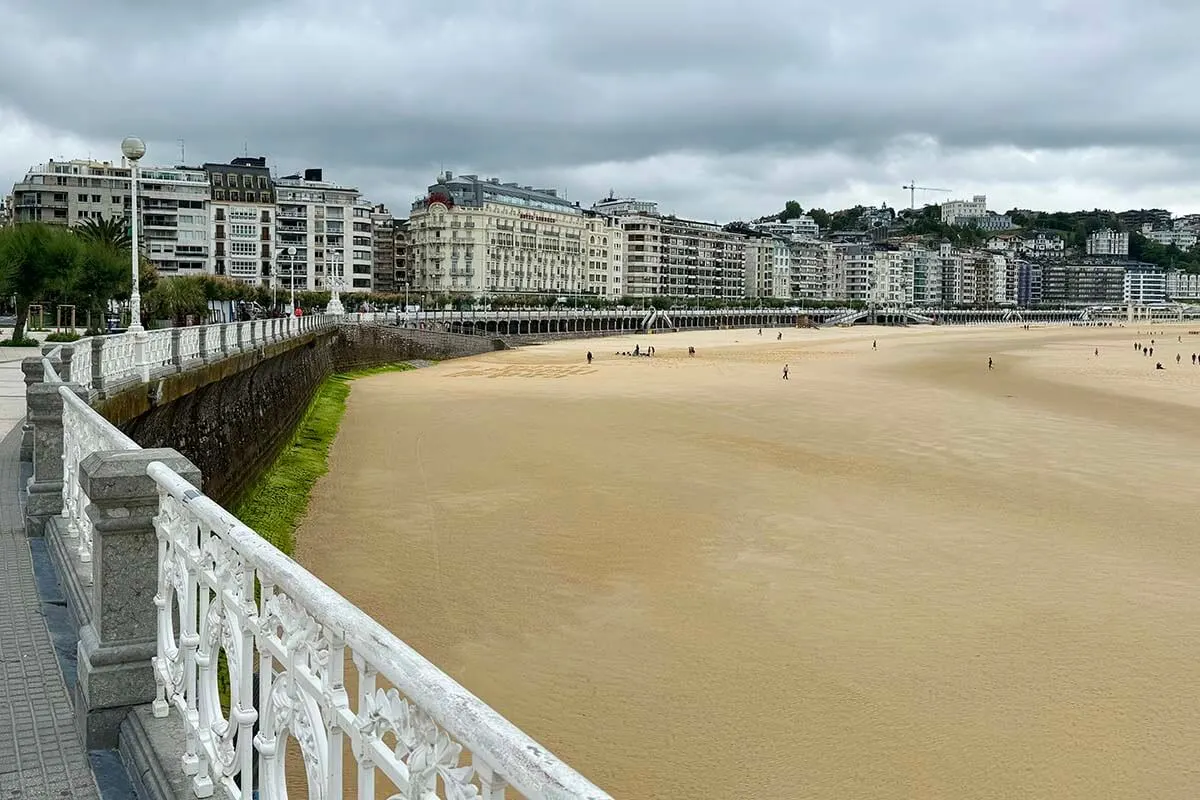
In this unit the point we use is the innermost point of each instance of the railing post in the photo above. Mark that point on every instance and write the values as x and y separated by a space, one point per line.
45 498
64 368
141 343
226 343
33 372
176 355
202 333
98 363
117 645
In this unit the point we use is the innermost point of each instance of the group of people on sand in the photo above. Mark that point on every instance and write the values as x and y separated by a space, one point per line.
637 351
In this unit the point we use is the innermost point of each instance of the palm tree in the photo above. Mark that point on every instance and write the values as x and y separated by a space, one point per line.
113 231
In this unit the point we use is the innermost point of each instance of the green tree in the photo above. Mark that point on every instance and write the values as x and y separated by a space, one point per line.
101 274
176 299
820 216
791 210
113 231
35 258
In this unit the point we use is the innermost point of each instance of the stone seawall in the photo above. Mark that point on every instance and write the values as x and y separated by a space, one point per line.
359 346
233 428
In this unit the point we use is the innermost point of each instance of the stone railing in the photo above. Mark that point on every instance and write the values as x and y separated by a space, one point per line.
170 590
103 364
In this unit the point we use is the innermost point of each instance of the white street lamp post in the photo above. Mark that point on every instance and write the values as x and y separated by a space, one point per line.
133 149
335 284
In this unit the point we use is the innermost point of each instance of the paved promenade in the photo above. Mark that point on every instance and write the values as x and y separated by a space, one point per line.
40 754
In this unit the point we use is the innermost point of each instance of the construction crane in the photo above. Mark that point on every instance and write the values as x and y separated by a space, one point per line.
912 192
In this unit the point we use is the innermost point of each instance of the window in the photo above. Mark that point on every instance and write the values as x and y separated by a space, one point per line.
265 197
218 194
262 181
266 216
248 181
116 199
243 248
83 198
235 196
95 198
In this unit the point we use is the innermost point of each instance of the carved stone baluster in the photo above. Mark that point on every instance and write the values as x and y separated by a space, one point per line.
491 785
245 715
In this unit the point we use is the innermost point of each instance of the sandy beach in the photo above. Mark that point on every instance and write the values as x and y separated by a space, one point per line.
895 575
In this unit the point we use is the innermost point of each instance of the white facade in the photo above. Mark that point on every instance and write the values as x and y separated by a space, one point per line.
1182 285
1108 242
1145 286
1183 239
175 219
811 274
854 272
768 267
1043 245
329 227
486 237
927 276
892 283
959 211
605 255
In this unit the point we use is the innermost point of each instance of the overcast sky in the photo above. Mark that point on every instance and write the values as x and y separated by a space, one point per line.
717 110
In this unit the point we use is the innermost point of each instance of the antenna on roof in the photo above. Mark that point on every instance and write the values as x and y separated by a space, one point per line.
182 152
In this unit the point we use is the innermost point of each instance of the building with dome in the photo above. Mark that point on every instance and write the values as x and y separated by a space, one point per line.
477 237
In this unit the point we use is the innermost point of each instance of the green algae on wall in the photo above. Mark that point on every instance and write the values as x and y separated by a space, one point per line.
276 504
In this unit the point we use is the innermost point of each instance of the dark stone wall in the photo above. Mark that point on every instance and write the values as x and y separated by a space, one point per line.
233 428
360 346
233 417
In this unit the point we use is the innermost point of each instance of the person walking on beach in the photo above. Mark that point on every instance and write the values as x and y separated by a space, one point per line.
1097 352
874 344
990 363
785 370
1152 349
589 356
779 338
1178 358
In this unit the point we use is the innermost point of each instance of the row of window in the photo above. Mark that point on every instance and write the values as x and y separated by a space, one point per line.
231 180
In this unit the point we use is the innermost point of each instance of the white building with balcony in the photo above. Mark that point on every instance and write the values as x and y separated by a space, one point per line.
1182 285
802 227
768 267
1107 242
329 228
1181 238
175 219
1145 286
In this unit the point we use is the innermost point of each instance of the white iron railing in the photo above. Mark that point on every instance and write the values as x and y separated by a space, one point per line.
118 352
84 432
233 592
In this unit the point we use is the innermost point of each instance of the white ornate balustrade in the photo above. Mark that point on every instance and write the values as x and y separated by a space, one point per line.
234 593
113 360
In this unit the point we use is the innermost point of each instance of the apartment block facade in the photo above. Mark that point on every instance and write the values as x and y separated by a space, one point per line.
324 234
1107 242
383 242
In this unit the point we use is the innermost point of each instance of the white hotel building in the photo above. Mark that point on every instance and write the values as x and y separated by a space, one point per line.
480 236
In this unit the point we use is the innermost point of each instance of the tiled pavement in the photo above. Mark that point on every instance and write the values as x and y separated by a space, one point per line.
41 756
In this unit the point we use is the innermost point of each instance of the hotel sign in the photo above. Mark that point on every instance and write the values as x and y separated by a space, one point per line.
536 218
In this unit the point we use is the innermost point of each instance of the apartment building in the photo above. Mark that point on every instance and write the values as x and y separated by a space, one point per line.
383 240
1107 242
6 210
1081 285
175 219
768 271
242 221
604 252
802 227
810 276
893 278
173 203
1043 245
675 257
927 275
1145 284
482 236
400 234
1181 238
69 192
853 272
1182 285
329 228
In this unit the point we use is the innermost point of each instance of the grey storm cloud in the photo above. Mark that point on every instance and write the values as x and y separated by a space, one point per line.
808 97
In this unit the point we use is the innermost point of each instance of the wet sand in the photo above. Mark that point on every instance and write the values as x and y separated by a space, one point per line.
895 575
